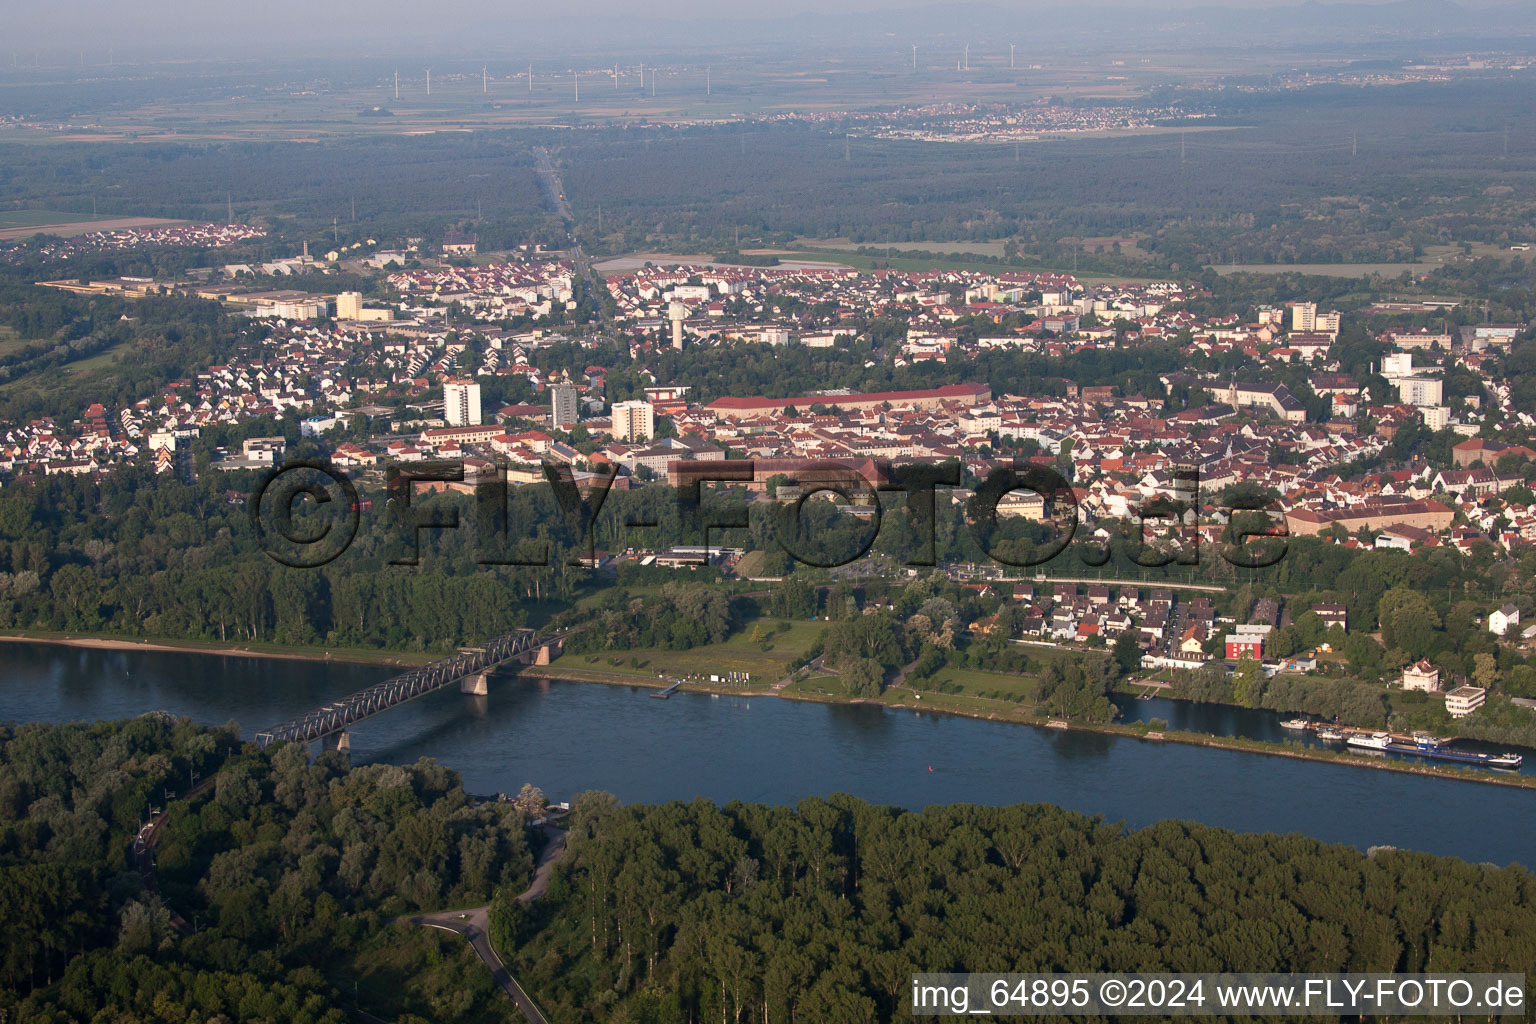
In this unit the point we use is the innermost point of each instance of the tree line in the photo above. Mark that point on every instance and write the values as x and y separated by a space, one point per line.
823 911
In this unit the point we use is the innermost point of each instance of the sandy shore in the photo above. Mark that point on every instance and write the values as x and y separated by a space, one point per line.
232 651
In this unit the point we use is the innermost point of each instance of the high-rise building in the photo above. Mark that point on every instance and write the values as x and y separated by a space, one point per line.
634 421
1420 391
1305 319
349 306
564 403
461 403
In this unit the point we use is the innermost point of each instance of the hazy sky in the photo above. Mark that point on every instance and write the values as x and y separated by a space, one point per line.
213 26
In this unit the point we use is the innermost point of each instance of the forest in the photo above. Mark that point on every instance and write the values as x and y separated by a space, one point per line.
277 876
1329 174
822 911
339 190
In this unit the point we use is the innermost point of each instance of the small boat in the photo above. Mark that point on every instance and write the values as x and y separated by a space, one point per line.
1295 723
1375 741
1329 734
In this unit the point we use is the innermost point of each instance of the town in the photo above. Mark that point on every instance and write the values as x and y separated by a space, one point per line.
481 363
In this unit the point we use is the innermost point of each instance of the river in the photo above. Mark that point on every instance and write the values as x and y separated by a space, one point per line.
569 737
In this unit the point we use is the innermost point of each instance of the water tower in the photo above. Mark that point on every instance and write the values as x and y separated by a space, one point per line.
677 313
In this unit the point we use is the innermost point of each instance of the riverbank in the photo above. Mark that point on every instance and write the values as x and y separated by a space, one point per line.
895 698
281 652
956 705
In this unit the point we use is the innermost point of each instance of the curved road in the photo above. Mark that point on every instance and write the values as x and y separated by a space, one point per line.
474 924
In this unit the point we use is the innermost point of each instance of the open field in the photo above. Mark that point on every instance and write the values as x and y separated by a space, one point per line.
767 661
26 223
45 380
1434 256
948 248
10 219
958 261
1326 269
98 361
976 682
637 260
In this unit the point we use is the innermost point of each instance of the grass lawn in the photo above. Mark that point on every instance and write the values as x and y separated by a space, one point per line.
976 682
738 654
822 684
961 703
47 380
110 357
11 342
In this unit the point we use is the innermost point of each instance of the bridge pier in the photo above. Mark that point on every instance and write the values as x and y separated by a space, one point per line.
470 668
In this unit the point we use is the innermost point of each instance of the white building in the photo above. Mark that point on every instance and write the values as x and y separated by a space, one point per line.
1396 365
1464 700
349 306
634 421
1306 320
262 449
1421 676
461 403
1420 391
1500 621
315 426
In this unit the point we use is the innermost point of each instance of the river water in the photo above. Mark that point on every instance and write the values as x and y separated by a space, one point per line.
569 737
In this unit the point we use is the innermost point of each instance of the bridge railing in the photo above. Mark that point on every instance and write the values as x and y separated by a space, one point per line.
336 716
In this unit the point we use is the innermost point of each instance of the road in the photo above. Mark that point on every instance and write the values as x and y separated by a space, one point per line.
475 925
554 192
550 178
1143 584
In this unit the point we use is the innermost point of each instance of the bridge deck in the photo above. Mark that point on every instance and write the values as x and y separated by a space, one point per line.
336 716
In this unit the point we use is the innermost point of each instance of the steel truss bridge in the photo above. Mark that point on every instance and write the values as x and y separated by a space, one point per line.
336 716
